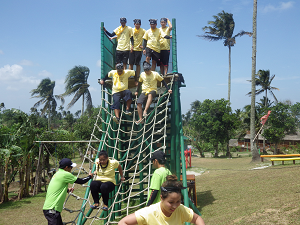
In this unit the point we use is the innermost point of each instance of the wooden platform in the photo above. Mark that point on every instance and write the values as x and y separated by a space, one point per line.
191 184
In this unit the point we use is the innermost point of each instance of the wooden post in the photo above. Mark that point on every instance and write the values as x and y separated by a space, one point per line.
37 171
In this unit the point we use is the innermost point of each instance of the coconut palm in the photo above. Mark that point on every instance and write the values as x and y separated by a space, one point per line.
222 29
263 79
44 91
76 83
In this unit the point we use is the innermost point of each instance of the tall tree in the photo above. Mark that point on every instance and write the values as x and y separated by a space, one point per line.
44 91
76 83
222 29
255 154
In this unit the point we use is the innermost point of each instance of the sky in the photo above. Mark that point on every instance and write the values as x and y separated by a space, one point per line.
40 39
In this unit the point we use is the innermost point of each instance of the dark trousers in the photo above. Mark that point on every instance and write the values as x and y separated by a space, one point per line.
53 217
101 187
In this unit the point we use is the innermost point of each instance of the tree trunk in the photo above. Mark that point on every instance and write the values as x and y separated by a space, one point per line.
216 151
1 177
255 154
264 140
6 175
27 175
82 104
21 184
275 150
49 118
229 74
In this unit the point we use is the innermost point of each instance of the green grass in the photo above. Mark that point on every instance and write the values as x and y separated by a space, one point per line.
229 191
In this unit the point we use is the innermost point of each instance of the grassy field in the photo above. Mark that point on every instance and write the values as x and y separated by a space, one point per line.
229 191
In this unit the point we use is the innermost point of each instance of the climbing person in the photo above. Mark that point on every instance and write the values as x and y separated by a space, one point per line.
135 54
124 37
58 189
120 89
158 178
148 79
105 181
164 45
168 211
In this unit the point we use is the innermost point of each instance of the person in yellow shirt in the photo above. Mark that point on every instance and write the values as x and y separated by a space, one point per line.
135 54
105 181
164 45
168 211
148 79
120 89
124 34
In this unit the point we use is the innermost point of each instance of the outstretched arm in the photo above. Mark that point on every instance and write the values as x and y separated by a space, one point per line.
152 197
84 180
128 220
121 172
170 24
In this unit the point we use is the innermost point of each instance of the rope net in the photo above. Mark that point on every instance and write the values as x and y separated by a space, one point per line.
132 145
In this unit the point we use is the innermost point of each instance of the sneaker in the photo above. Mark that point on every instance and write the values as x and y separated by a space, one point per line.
116 119
127 112
94 206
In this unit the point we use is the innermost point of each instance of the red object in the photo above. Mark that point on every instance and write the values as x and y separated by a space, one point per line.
264 118
188 157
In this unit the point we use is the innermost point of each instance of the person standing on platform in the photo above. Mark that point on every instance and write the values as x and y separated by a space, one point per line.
120 89
124 34
135 54
164 45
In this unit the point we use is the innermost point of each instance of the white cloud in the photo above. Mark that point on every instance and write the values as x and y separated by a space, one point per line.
241 80
282 6
44 73
26 62
286 78
10 72
1 52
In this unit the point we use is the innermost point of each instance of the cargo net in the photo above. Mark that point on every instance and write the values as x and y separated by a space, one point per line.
132 145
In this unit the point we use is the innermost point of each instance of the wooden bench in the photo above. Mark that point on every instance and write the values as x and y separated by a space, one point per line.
191 184
284 159
270 156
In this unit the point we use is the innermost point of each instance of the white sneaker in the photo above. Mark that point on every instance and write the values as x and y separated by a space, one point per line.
116 120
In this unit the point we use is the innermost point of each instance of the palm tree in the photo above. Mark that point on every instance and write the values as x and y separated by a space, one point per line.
255 154
222 29
263 79
45 92
76 83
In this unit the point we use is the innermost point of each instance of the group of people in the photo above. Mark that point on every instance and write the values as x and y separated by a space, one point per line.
131 42
163 203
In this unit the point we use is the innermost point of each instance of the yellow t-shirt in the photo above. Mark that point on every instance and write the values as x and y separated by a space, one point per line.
164 43
152 215
120 82
138 38
124 39
152 37
108 173
150 81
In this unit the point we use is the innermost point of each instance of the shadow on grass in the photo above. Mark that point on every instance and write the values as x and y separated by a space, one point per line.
18 204
204 198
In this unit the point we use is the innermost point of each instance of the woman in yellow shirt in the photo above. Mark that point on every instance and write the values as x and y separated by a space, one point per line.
168 211
105 181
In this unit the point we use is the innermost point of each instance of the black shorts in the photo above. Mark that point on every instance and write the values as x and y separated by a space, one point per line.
143 97
152 54
122 56
125 95
53 217
164 57
135 57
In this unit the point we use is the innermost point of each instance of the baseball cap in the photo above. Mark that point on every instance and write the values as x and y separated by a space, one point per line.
146 66
158 155
137 21
66 162
123 20
153 21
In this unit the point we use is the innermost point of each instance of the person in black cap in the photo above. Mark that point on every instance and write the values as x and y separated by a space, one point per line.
120 89
135 54
158 177
124 37
148 79
164 45
168 210
151 44
58 189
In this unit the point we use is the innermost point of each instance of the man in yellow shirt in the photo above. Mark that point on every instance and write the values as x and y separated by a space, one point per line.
164 45
124 34
149 89
135 54
120 89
